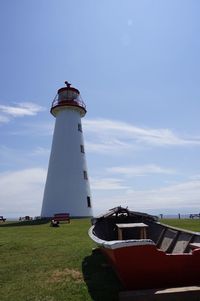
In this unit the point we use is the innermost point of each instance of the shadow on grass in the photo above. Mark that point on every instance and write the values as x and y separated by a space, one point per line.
25 223
101 280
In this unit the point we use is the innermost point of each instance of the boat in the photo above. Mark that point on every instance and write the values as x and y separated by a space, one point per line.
145 253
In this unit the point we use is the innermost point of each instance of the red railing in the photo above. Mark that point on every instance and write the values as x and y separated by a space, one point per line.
76 101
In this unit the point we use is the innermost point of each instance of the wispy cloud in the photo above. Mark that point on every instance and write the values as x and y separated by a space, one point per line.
25 197
19 110
41 151
12 157
108 146
182 197
142 170
34 129
105 135
107 184
23 191
4 119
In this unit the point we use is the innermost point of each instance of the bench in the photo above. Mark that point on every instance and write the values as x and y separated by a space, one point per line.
59 217
2 219
195 215
25 218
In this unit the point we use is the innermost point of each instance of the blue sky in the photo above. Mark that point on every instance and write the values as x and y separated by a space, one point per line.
137 66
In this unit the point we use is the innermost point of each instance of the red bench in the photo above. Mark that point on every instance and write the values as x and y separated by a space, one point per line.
59 217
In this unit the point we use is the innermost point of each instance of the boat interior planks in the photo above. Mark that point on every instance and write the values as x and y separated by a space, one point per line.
145 253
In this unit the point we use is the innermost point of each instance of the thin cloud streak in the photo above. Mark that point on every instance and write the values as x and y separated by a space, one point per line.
34 129
102 131
107 184
19 110
111 146
41 151
142 170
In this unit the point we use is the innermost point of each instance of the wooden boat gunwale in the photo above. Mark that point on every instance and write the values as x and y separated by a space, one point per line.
143 263
114 244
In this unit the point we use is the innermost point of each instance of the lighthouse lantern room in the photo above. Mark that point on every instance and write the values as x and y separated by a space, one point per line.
67 186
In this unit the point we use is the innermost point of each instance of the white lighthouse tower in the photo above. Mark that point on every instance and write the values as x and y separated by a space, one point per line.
67 187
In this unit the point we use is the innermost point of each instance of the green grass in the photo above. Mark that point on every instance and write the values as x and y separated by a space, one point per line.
189 224
41 263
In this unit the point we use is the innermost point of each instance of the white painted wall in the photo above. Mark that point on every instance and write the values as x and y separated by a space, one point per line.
66 190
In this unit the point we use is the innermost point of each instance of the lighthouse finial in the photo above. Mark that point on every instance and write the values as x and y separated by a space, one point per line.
67 84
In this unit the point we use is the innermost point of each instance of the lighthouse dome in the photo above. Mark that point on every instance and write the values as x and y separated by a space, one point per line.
68 97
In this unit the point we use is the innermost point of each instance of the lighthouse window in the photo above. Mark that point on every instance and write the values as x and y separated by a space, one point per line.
89 202
79 127
82 148
85 175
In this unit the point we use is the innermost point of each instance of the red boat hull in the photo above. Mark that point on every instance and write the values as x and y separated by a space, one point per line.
145 266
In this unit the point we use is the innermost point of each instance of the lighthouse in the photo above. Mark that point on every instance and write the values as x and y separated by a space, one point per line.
67 185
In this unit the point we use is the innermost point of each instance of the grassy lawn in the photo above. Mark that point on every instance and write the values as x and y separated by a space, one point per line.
41 263
190 224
